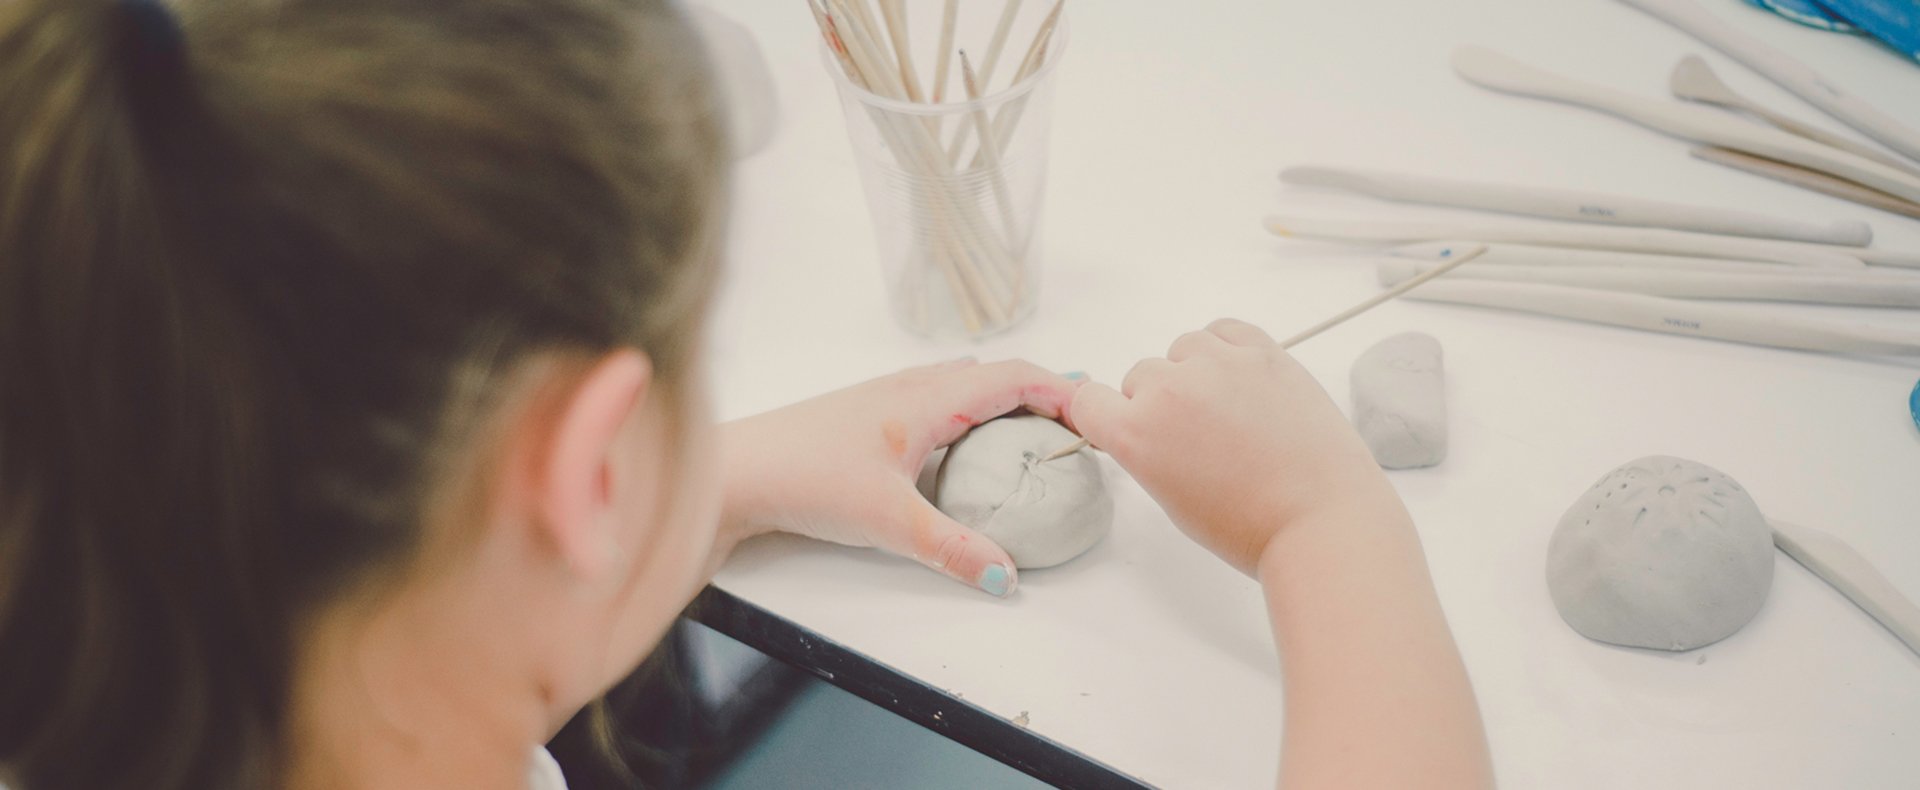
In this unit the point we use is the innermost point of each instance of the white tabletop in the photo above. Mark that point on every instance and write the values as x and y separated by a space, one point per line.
1171 121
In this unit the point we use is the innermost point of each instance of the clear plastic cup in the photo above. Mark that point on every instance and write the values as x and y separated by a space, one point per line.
957 222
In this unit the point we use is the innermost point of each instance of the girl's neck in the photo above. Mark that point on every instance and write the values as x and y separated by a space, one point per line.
394 700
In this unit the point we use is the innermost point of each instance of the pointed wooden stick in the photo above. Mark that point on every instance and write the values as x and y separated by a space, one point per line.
1070 449
992 61
1809 179
965 300
945 56
860 14
998 42
867 52
995 177
1466 254
951 216
1008 117
895 13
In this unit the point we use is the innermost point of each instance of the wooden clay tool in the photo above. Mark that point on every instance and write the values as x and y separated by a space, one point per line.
1808 179
1694 80
1809 288
1536 255
1760 326
1573 234
1786 71
1839 565
1577 206
1462 256
1493 70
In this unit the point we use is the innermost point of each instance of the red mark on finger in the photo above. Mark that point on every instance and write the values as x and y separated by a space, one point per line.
965 420
895 432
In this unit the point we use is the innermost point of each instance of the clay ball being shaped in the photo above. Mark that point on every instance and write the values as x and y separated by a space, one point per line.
1662 553
1043 514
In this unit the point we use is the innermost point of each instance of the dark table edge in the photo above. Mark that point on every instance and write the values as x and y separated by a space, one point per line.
949 716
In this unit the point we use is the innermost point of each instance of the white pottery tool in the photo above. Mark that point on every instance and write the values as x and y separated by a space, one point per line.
1535 255
1837 564
1760 326
1694 80
1496 71
1809 288
1577 206
1570 234
1786 71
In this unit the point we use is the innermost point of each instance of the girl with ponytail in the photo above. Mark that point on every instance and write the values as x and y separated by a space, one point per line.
352 423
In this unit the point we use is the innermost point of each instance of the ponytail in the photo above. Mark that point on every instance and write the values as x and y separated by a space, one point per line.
128 641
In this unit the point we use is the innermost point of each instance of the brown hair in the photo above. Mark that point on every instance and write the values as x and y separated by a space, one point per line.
257 281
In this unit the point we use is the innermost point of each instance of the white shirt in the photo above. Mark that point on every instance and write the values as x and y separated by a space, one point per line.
543 774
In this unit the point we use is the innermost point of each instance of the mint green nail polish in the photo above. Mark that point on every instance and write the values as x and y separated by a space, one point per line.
994 580
1075 375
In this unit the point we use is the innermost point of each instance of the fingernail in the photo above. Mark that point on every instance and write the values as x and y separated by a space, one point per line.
1075 375
996 580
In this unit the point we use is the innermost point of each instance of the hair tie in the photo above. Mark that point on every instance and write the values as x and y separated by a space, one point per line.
153 32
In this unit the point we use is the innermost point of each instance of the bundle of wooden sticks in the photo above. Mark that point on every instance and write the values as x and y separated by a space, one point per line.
973 243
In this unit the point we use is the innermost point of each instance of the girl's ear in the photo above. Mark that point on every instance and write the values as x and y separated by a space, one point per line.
573 479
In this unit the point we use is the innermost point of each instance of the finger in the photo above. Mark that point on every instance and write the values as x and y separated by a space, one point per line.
1240 333
938 542
936 368
975 395
1096 414
1145 372
954 364
1195 343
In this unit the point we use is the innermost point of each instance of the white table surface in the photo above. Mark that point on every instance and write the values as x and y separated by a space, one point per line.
1171 121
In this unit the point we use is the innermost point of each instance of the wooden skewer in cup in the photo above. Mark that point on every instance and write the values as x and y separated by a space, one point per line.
959 237
856 61
874 70
957 229
988 146
999 40
948 16
1027 66
895 13
1466 253
1008 118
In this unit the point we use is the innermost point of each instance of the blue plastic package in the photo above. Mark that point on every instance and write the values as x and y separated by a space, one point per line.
1913 404
1806 12
1895 22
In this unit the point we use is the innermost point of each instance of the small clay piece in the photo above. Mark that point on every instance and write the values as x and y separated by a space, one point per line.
1662 553
1400 401
1042 513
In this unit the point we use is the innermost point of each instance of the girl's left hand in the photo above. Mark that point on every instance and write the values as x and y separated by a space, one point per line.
841 467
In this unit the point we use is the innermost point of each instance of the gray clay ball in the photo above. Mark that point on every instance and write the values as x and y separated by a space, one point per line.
1662 553
1042 513
1400 401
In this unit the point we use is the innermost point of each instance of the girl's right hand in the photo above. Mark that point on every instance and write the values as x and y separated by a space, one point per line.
1234 439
